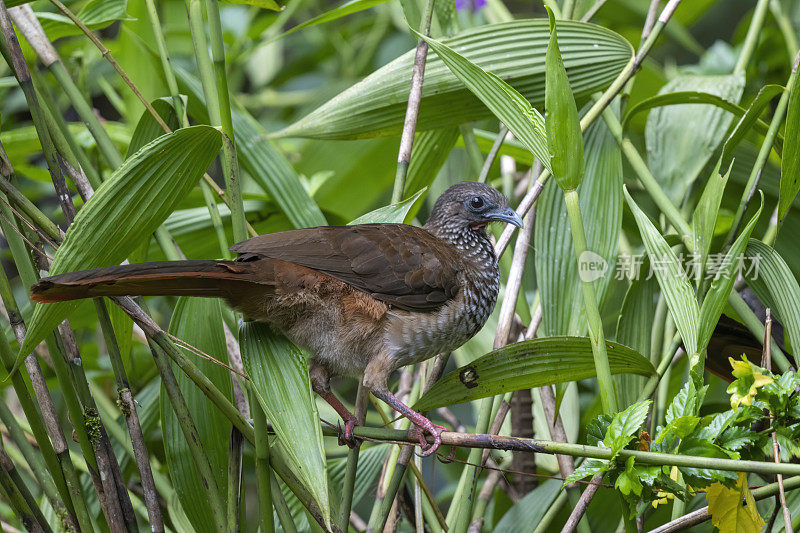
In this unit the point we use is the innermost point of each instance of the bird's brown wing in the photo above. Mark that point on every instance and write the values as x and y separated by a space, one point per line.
400 265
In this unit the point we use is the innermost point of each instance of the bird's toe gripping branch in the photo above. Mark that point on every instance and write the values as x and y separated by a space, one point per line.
422 424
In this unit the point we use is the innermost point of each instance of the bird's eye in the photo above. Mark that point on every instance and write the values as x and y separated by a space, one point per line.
476 202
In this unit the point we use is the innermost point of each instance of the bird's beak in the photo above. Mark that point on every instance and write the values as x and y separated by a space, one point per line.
506 215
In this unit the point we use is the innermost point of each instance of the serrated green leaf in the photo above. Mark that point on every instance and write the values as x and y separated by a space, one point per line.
528 364
278 373
677 291
625 424
198 321
589 468
514 51
126 209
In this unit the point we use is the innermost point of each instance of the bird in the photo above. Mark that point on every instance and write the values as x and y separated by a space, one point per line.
364 300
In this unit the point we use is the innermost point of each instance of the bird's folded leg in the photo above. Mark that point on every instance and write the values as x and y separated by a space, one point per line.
423 424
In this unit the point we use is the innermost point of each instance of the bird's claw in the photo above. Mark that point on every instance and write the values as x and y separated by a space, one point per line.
346 437
435 430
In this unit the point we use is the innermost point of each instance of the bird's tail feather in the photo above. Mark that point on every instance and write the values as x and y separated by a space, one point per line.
161 278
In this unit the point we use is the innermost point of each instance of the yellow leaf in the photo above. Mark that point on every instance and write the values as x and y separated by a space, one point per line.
748 380
727 511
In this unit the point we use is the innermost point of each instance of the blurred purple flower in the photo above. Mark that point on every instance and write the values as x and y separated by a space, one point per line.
471 5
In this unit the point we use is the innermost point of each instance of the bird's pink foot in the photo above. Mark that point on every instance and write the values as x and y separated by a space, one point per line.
346 436
435 430
422 424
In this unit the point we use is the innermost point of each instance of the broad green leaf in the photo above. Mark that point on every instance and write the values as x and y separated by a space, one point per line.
600 196
510 147
704 217
370 461
126 209
717 295
278 373
727 509
634 328
510 107
530 509
96 14
750 121
776 286
563 129
528 364
790 162
395 213
148 129
681 138
514 51
260 159
674 284
431 149
748 117
198 321
348 8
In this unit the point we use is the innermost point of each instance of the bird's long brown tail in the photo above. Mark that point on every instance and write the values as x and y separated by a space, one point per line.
161 278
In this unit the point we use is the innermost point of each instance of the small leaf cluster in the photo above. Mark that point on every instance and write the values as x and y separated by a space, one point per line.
761 403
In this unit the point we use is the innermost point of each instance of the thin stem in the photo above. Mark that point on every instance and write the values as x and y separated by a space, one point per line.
701 515
412 110
763 152
128 407
230 165
474 154
499 442
263 470
608 395
753 33
362 397
492 155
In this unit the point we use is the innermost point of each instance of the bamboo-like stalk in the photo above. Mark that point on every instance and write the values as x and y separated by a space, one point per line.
279 503
263 470
29 209
764 150
346 504
596 335
412 110
45 427
499 442
753 33
492 155
230 166
18 495
128 407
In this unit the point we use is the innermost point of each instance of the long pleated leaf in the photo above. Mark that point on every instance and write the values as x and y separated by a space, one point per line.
600 195
725 275
506 103
777 287
348 8
278 373
395 213
680 297
127 208
514 51
198 321
790 162
527 364
634 327
681 138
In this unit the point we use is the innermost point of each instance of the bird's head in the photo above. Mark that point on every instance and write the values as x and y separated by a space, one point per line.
470 205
